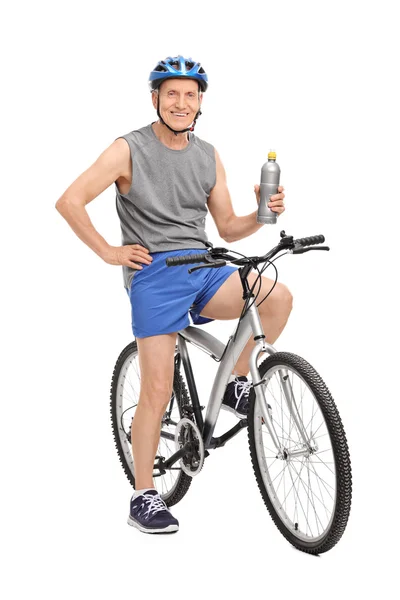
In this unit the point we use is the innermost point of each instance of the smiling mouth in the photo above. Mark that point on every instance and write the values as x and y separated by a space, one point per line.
179 115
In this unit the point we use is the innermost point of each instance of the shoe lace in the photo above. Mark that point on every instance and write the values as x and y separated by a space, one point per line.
155 502
242 389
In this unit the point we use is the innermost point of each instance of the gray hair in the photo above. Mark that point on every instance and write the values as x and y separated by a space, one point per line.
157 89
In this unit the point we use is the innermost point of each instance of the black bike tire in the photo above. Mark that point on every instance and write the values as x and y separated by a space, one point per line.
182 397
339 446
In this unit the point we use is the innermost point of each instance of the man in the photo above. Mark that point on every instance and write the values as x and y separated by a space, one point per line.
166 178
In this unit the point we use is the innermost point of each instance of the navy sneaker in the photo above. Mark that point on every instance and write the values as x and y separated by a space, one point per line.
150 514
236 397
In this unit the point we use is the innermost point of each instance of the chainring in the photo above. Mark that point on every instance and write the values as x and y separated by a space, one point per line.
192 462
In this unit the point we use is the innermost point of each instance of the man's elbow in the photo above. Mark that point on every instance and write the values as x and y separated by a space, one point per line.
65 202
227 237
59 204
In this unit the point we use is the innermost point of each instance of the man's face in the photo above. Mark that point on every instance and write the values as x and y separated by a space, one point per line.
178 97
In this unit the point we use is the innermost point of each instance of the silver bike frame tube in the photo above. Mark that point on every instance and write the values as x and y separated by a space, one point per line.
251 323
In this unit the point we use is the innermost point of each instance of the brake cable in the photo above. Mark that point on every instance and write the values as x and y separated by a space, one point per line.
247 306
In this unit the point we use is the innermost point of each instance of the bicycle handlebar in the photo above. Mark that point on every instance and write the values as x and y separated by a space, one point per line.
172 261
214 260
310 241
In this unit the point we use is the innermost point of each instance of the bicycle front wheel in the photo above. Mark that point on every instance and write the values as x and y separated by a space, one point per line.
307 489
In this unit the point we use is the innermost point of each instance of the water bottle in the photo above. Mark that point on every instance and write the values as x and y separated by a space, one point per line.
270 173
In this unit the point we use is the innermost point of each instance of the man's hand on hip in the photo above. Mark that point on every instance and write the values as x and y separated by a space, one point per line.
128 256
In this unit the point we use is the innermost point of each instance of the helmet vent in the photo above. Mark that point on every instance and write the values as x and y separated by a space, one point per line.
201 70
160 68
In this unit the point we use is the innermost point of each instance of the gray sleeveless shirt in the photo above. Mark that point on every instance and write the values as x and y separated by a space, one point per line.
166 205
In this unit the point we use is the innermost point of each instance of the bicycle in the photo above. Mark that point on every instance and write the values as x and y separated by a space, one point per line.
297 444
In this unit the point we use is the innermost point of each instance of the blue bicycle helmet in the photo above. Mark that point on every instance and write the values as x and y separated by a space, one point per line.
178 66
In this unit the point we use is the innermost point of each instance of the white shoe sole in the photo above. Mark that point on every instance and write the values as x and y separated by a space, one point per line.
232 410
238 415
168 529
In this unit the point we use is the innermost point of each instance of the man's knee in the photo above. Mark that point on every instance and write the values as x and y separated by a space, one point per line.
287 298
156 391
155 400
281 300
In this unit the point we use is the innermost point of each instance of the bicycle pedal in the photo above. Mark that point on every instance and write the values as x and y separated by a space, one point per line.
259 383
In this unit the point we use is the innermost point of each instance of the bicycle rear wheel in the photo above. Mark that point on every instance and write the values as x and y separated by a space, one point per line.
173 483
308 495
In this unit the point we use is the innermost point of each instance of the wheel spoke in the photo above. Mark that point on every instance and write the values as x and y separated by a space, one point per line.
319 479
301 505
324 483
284 467
324 463
313 494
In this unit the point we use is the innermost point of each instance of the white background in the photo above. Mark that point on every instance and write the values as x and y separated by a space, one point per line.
315 81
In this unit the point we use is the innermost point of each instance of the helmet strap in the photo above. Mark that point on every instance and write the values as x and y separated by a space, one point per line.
176 131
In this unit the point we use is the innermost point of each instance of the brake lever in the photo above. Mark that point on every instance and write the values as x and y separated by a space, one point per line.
302 250
211 265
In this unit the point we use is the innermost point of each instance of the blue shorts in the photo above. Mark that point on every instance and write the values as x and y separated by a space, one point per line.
161 296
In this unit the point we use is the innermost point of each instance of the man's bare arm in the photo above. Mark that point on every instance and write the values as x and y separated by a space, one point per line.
231 228
219 201
113 163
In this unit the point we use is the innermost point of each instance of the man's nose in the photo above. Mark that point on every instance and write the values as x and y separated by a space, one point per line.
180 101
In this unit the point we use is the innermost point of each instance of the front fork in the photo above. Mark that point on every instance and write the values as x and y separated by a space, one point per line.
263 346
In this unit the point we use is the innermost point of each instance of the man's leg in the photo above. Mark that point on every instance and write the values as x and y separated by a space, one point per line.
156 360
227 303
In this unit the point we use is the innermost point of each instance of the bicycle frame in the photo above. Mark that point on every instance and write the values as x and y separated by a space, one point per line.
251 323
228 356
209 344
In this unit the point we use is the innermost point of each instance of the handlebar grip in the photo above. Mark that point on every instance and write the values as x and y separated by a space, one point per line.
310 241
173 261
